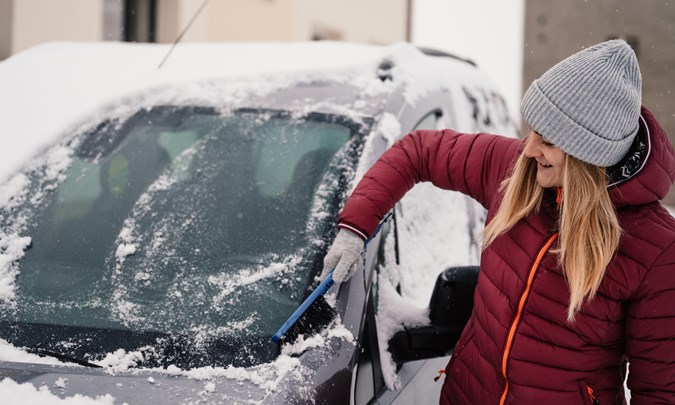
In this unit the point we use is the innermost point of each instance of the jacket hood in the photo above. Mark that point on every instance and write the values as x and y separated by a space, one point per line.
647 172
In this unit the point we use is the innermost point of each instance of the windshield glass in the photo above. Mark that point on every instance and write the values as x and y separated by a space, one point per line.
184 233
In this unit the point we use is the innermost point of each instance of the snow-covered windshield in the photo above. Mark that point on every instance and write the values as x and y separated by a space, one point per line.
187 234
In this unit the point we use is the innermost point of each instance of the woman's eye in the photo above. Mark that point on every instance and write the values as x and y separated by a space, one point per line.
546 143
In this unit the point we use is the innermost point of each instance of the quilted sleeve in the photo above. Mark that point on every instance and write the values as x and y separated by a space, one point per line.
472 164
650 335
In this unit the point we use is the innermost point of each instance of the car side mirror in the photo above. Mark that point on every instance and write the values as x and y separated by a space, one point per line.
449 310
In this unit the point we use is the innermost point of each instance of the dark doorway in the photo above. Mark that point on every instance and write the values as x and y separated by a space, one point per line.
140 20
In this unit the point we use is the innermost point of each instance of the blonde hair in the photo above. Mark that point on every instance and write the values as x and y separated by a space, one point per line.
589 230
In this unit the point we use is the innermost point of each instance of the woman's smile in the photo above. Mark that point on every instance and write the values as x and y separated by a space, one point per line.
550 160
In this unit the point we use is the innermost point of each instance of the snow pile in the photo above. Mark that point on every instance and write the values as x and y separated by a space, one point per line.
121 360
230 284
285 369
209 387
9 352
12 191
12 392
61 383
12 245
393 314
124 250
12 248
301 344
268 377
390 128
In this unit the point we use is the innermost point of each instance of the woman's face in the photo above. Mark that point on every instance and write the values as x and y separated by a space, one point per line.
550 160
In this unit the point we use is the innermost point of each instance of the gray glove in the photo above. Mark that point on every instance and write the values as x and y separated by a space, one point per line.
342 256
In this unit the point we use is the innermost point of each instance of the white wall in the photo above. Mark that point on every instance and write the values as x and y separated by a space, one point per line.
490 32
37 21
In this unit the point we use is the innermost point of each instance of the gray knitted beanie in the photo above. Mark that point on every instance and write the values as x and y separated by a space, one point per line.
588 105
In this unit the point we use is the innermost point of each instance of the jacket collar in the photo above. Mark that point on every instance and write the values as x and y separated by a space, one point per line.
635 159
647 172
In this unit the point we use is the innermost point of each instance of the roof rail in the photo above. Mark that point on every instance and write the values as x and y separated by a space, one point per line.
437 52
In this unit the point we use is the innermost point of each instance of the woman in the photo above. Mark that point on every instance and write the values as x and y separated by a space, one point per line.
578 264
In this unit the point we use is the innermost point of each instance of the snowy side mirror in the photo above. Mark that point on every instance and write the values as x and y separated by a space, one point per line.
449 310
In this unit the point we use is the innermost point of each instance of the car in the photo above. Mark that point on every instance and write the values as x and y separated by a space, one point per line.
160 223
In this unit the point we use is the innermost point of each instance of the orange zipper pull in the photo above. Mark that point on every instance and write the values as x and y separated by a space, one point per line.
559 195
440 374
594 400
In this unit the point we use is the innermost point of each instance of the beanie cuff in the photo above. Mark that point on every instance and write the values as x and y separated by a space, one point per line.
549 121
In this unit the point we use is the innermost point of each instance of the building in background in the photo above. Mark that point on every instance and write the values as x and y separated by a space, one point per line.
555 29
25 23
372 21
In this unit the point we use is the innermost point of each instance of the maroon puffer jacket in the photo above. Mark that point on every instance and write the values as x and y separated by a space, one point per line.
518 347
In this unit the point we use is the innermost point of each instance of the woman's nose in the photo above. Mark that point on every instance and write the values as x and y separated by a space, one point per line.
532 149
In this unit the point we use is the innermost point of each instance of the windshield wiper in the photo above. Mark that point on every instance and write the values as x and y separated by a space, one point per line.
62 357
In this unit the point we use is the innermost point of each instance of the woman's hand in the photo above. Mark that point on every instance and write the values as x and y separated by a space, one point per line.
342 256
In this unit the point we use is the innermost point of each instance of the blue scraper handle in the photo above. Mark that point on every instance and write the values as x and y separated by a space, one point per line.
320 290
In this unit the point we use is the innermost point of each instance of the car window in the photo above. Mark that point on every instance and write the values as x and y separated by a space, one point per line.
186 232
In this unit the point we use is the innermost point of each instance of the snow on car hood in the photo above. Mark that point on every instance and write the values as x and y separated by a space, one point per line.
46 381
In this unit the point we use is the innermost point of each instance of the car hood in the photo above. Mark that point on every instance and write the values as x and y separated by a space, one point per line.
322 367
130 387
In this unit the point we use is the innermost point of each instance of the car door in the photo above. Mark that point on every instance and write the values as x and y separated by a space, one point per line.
431 231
